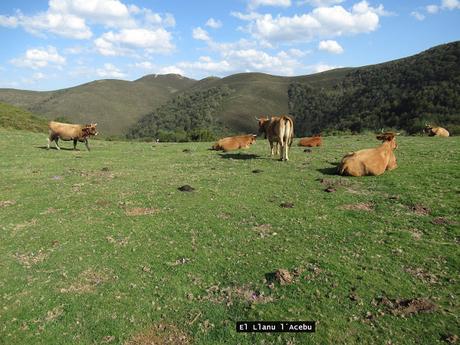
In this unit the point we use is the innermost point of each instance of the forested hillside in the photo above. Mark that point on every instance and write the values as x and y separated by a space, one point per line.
402 94
189 116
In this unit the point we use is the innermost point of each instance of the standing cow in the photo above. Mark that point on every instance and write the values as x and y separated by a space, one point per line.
67 132
280 132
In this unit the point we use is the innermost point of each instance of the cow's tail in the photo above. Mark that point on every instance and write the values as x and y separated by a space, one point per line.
287 130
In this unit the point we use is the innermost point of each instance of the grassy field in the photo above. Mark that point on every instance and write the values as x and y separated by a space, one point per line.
101 247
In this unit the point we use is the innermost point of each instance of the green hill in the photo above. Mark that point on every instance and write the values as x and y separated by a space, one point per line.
400 94
12 117
113 104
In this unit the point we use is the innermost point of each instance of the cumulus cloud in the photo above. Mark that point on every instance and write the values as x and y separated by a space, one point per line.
253 4
450 4
74 18
330 46
321 67
40 57
432 9
8 21
110 71
213 23
417 15
247 60
320 3
124 41
200 34
321 22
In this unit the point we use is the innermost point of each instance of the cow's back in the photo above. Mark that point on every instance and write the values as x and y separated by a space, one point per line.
64 131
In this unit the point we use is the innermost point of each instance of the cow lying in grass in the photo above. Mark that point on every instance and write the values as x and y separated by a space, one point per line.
371 161
311 142
67 132
280 132
235 143
436 131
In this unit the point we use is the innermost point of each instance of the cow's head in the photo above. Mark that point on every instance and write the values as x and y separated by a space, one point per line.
428 128
263 123
252 138
389 137
90 129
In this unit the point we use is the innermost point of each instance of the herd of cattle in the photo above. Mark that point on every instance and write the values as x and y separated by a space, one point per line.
279 130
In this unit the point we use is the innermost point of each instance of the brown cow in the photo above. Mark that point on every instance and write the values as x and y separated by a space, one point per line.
66 132
372 162
436 131
311 142
235 143
279 131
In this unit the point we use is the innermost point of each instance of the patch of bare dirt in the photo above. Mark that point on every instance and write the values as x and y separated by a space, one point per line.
6 203
420 210
442 221
407 307
162 334
362 206
264 230
283 276
54 313
87 282
28 260
224 215
122 241
24 225
49 210
140 211
287 205
423 275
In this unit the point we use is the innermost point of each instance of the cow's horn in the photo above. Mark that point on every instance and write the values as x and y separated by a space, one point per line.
256 118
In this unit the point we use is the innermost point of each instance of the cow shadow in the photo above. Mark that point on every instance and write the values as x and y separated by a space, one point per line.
240 156
331 170
54 148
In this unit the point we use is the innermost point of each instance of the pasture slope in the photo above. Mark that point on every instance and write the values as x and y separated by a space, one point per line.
101 247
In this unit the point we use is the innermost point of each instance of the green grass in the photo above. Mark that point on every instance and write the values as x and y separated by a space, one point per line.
15 118
77 267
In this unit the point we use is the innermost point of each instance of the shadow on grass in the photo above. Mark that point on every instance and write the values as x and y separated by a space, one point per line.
242 156
331 170
54 148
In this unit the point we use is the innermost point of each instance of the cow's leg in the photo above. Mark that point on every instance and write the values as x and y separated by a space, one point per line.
49 142
272 148
75 144
86 144
56 141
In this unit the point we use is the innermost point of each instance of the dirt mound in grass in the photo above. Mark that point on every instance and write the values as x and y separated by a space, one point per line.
162 334
406 307
362 206
140 211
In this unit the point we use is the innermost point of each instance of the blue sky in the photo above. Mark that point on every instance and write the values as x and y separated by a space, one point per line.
54 44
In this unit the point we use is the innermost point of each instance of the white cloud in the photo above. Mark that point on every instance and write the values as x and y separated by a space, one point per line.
278 3
40 57
417 15
321 67
432 9
321 22
450 4
147 65
320 3
9 22
110 71
200 34
330 46
213 23
124 41
171 70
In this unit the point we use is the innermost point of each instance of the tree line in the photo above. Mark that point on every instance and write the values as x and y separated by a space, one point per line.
403 94
190 116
